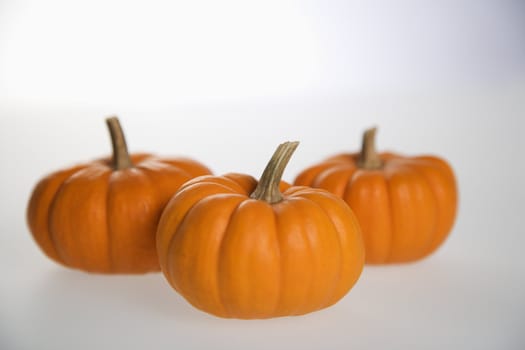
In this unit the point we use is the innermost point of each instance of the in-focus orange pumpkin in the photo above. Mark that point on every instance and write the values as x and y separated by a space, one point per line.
406 206
102 216
240 249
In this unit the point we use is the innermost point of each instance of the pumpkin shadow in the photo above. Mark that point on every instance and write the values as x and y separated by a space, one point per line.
71 293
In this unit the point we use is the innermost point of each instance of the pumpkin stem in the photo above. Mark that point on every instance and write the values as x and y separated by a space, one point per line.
121 159
369 158
268 187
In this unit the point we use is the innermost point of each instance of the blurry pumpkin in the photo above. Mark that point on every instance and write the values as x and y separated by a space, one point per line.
102 216
238 248
406 206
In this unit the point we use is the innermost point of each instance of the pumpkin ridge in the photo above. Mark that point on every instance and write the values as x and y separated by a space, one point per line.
295 189
35 202
438 165
108 226
147 174
170 244
364 180
199 184
143 165
395 233
437 208
194 181
339 245
305 179
185 164
236 179
67 191
319 176
218 264
236 190
280 287
211 298
391 216
349 181
414 185
277 310
191 187
183 171
311 281
114 258
50 211
243 265
335 180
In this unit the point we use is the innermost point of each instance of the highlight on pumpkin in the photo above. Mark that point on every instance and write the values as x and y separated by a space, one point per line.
101 216
406 205
236 247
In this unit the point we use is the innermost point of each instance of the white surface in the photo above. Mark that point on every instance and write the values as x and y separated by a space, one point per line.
187 81
467 296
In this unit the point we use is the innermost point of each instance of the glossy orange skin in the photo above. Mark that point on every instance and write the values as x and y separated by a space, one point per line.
94 218
406 209
237 257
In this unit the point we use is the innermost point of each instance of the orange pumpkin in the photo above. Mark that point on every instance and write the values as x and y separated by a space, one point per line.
102 216
240 249
406 206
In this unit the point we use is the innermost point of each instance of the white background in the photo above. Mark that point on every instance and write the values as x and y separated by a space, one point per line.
225 82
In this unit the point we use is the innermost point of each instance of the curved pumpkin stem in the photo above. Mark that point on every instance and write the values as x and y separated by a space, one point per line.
121 159
268 187
369 158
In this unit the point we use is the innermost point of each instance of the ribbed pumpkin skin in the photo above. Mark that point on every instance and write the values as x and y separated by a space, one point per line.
94 218
405 210
237 257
